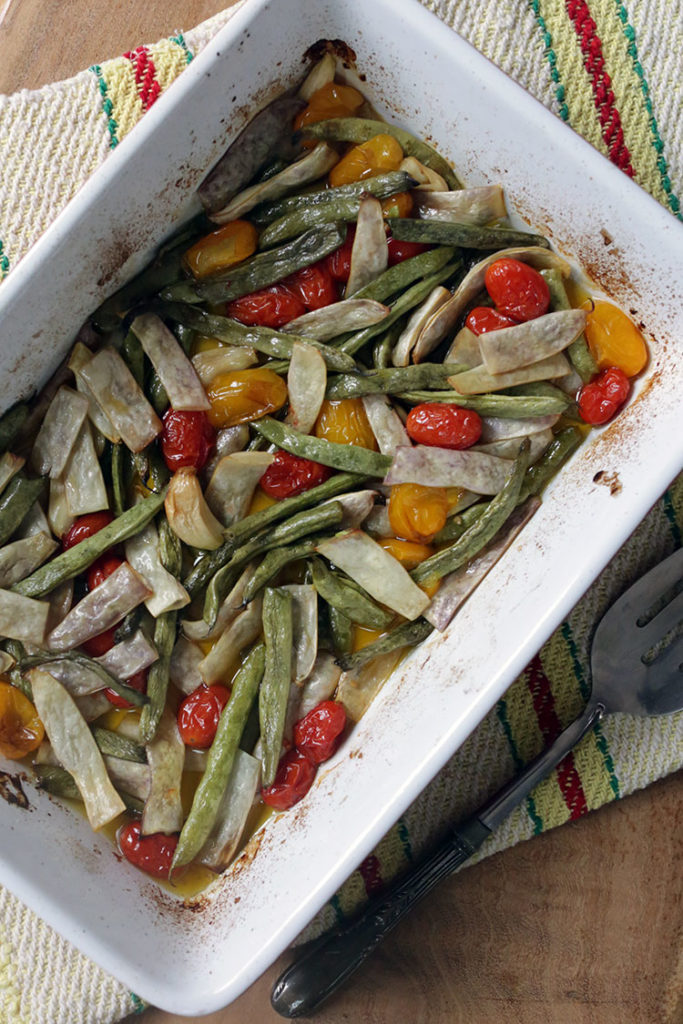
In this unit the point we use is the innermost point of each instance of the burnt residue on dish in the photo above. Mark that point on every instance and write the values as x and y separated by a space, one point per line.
12 790
337 47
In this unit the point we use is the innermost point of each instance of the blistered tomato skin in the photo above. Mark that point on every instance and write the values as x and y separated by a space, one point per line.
270 307
186 439
84 527
604 396
483 319
289 474
416 512
137 682
330 100
314 285
517 289
152 854
21 730
614 339
319 733
100 570
199 713
400 251
345 421
443 426
380 153
245 395
221 249
294 778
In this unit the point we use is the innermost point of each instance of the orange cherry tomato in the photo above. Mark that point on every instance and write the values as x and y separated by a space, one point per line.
380 153
221 249
345 422
244 395
408 552
21 730
416 512
330 100
614 339
400 205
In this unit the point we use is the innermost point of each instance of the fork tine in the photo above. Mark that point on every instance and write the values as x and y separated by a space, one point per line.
664 681
662 624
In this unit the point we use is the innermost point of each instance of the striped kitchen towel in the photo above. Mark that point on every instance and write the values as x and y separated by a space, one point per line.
612 72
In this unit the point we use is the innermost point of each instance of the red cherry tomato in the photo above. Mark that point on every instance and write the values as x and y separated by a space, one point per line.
517 289
84 527
98 645
294 778
444 426
338 263
153 854
270 307
482 319
102 568
186 439
602 398
314 285
137 682
288 475
400 251
319 733
199 713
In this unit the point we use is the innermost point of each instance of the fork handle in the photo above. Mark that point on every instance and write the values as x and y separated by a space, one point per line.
325 963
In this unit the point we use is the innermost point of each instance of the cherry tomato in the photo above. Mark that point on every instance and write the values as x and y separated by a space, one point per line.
222 249
517 289
21 730
101 569
400 251
288 475
241 396
408 552
602 398
319 733
398 205
614 339
345 421
84 527
137 682
294 778
153 854
270 307
186 439
338 262
98 645
199 713
482 319
314 285
417 512
380 153
443 425
330 100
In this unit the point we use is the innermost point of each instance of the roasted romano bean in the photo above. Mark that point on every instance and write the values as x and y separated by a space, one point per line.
457 525
466 236
380 185
108 680
341 629
397 278
276 560
277 677
406 635
391 381
118 487
116 745
78 558
15 503
60 782
17 651
349 458
579 354
158 472
165 631
502 406
559 449
132 354
352 601
221 755
359 129
384 346
11 423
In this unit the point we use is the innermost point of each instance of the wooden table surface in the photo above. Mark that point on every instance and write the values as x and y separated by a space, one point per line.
580 925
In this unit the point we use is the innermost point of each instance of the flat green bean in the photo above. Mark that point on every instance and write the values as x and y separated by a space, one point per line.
557 452
11 423
276 560
221 757
397 278
580 356
379 185
16 502
132 353
408 634
277 677
457 525
351 601
60 782
118 487
341 629
17 651
165 631
359 129
78 558
349 458
466 236
116 745
391 381
502 406
480 532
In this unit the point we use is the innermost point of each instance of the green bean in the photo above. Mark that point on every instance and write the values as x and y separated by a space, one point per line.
11 423
352 601
276 560
158 472
118 488
252 730
298 526
78 558
17 651
16 501
116 745
502 406
391 381
134 357
170 548
559 449
341 629
359 129
406 635
157 395
397 278
264 269
349 458
466 236
580 356
456 525
221 757
482 531
129 624
410 298
538 389
206 567
185 337
384 346
83 661
166 269
60 782
270 342
379 185
165 631
277 677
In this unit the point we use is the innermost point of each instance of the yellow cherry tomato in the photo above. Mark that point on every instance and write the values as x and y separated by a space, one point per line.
21 730
260 500
416 512
408 552
345 422
380 153
244 395
231 244
362 636
400 205
331 100
614 339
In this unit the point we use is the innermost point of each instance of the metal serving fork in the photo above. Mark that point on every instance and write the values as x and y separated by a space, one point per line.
636 667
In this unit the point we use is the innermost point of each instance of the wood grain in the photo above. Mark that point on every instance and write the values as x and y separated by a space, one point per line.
580 925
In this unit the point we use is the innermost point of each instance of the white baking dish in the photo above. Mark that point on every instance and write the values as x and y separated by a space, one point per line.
422 75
